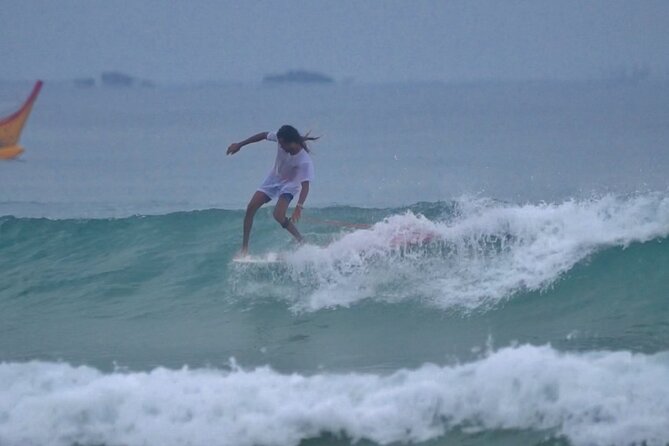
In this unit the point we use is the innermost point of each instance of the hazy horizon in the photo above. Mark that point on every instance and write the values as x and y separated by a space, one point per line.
393 41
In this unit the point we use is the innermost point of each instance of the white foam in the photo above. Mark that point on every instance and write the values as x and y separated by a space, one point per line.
602 398
488 252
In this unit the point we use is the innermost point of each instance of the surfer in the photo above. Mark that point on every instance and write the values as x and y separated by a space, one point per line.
292 172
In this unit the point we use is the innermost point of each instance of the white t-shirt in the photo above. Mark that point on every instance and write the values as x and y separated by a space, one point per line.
292 168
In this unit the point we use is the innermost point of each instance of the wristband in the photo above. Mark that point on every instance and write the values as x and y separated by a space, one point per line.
299 205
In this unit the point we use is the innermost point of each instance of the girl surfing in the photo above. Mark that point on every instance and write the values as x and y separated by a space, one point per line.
292 172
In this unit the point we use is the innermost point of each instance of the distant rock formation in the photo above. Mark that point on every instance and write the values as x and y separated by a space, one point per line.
114 79
118 79
299 77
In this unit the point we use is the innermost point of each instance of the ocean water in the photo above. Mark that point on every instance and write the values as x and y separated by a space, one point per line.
530 305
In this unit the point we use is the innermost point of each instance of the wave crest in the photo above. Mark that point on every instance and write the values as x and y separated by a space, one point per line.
591 399
477 255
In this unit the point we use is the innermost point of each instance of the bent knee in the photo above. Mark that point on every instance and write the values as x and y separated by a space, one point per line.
252 207
279 217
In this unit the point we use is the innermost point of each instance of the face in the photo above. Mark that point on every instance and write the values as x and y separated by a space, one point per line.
290 147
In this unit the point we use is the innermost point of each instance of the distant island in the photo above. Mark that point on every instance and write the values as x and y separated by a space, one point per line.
113 79
298 77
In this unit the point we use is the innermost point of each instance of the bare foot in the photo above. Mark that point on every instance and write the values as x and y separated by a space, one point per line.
244 252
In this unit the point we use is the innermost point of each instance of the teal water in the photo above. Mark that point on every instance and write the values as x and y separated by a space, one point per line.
511 286
162 290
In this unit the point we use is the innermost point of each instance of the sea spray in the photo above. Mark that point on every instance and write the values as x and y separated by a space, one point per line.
482 254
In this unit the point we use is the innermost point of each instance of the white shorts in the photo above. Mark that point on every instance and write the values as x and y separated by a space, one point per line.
274 187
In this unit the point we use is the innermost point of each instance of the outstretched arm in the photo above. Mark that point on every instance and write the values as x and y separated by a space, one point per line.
236 146
297 212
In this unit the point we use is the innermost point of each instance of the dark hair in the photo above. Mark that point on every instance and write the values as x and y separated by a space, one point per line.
288 133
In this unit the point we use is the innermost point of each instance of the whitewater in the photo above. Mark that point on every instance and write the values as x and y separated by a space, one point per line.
586 398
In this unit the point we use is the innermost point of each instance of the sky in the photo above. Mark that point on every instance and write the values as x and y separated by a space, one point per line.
366 41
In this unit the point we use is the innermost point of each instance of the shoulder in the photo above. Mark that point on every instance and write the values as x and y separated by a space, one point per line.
271 136
304 157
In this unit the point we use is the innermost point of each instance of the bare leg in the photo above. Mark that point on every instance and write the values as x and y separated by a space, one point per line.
280 216
258 199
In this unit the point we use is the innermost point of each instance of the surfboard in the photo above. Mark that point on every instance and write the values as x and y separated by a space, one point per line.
271 258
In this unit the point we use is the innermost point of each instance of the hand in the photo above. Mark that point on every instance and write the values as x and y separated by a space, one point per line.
234 148
297 213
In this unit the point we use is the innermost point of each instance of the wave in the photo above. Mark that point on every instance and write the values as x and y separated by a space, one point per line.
474 256
468 255
587 398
